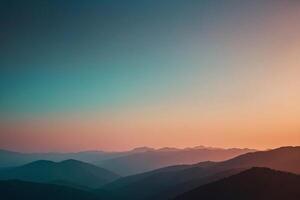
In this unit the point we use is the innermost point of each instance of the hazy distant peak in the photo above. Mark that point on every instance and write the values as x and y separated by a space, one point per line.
143 149
205 147
168 149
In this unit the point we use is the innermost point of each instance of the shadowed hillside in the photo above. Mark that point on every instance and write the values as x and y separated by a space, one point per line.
255 183
284 159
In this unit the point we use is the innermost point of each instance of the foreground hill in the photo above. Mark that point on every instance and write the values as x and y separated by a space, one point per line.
255 183
69 172
171 181
16 190
155 159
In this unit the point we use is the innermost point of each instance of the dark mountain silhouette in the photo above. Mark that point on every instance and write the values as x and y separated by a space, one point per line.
155 159
166 182
16 190
68 172
183 187
255 183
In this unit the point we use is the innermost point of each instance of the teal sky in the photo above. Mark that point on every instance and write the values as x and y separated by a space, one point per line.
95 55
79 56
189 61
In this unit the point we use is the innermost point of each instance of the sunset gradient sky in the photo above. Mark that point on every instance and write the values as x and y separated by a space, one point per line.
114 74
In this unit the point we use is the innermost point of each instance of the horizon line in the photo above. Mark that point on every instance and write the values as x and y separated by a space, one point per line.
140 147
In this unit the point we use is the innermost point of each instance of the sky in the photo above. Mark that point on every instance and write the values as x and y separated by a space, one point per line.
114 75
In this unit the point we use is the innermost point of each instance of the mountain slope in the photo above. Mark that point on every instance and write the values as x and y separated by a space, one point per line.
284 159
16 190
255 183
155 159
161 180
168 181
69 172
173 191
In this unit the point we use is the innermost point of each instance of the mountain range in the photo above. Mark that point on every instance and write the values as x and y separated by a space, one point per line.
126 163
253 175
171 181
255 183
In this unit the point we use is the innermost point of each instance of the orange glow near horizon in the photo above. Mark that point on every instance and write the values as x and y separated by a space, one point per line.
228 79
264 114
